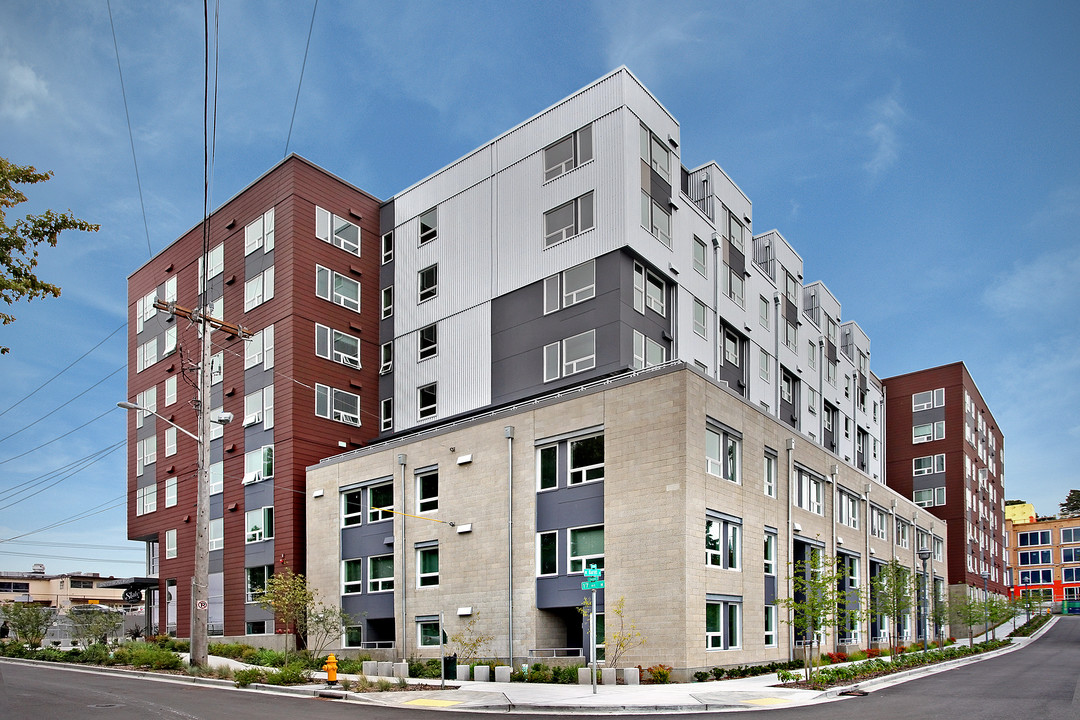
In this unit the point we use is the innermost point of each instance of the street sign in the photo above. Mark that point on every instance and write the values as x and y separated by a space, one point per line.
593 572
593 585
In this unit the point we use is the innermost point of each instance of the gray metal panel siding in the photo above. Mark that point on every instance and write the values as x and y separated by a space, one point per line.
575 506
563 592
770 589
366 540
370 606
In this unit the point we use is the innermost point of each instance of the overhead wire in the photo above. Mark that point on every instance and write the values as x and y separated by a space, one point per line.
70 557
59 437
62 406
100 457
96 510
131 135
46 476
303 66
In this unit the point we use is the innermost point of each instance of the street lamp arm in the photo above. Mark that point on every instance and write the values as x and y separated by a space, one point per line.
132 406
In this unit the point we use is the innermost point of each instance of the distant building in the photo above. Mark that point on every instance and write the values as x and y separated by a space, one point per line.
1044 559
946 452
59 591
1020 513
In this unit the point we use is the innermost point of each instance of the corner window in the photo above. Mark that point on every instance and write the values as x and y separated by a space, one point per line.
427 401
339 405
570 287
337 346
723 454
427 283
578 353
568 220
429 226
337 288
587 460
568 153
586 548
427 491
428 345
647 352
427 567
337 231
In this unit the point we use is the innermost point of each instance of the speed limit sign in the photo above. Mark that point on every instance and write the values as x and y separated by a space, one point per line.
202 605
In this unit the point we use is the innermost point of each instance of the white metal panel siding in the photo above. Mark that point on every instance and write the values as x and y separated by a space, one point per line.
445 184
462 368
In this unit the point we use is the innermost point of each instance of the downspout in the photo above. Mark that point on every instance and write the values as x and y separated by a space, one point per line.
834 471
508 432
790 536
776 352
716 306
821 384
866 563
402 458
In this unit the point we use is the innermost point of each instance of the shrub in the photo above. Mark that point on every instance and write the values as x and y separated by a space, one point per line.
292 674
837 657
701 676
717 673
857 655
566 675
352 666
383 685
660 673
243 678
96 654
345 683
541 673
786 676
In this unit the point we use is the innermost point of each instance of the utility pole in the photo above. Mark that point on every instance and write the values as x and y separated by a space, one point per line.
200 580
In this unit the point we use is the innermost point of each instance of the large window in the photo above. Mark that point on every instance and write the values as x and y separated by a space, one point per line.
1041 577
259 464
427 567
258 349
259 289
380 502
655 153
573 355
647 352
929 497
927 465
427 491
723 620
260 233
259 524
926 432
381 573
429 226
566 154
586 548
723 542
337 231
352 508
928 399
338 405
427 283
656 219
723 454
337 346
146 499
259 407
587 460
568 220
1036 557
1034 537
879 523
337 288
256 578
809 492
1070 535
427 397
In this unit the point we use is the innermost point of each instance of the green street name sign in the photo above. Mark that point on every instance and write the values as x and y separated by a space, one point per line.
593 585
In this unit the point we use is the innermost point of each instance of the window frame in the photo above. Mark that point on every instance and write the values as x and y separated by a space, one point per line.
726 465
329 227
583 560
326 346
379 513
427 579
327 397
582 211
431 408
581 152
427 283
427 342
584 474
329 292
381 584
427 503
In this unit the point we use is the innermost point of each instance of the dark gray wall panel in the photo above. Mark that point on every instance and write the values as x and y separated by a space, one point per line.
569 507
369 605
563 592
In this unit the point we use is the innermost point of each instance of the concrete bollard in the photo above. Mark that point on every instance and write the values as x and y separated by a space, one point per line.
386 669
584 676
631 676
482 673
462 672
607 676
371 668
401 669
502 673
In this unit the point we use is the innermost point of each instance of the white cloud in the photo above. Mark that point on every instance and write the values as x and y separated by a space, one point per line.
642 37
1043 284
23 91
886 115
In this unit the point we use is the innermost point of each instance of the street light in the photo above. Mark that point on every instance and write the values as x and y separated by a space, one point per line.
986 606
924 555
200 590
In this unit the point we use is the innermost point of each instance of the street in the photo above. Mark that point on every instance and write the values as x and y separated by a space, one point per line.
1038 681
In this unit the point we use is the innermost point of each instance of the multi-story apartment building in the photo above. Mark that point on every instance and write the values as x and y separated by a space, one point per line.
284 261
947 453
573 249
693 501
59 591
1044 559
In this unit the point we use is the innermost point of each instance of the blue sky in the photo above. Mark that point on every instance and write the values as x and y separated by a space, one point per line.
922 158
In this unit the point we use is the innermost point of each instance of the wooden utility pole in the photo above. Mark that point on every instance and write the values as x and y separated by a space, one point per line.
200 580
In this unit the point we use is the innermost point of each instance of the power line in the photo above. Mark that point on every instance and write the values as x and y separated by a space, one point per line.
39 387
131 136
82 546
39 556
97 510
59 437
56 409
45 476
303 65
102 456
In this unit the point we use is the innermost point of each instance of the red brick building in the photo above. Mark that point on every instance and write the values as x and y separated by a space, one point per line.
293 258
945 451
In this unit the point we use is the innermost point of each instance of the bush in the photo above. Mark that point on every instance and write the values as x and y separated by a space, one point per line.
265 657
857 655
717 673
352 666
566 675
155 657
701 676
837 657
96 654
660 673
293 674
243 678
541 673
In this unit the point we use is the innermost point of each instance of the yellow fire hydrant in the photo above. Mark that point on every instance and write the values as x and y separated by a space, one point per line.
331 670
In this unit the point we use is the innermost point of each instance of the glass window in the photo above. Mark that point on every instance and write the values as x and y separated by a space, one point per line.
381 573
428 345
586 548
548 467
255 584
428 283
380 502
699 318
656 219
337 346
387 247
352 508
769 474
337 231
352 576
427 633
386 414
387 301
568 153
259 524
428 401
427 491
339 405
579 353
723 544
427 564
429 226
568 220
386 358
579 283
547 553
700 256
587 460
770 554
259 289
731 348
809 493
337 288
655 294
722 454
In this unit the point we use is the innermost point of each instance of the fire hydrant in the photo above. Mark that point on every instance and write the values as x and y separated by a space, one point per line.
331 671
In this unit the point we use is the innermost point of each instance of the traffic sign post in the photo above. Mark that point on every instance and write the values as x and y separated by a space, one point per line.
592 585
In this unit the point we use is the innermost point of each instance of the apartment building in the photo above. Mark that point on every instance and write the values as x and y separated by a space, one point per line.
946 452
60 590
690 498
1043 559
285 262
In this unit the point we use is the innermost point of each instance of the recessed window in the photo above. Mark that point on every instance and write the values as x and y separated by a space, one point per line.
386 358
387 301
723 543
731 348
548 467
259 524
722 625
547 553
587 460
427 401
387 247
700 256
381 573
352 508
337 231
352 576
386 414
568 220
428 342
429 226
337 346
339 405
564 155
427 283
337 288
427 491
769 473
723 454
380 502
809 492
586 548
769 554
427 633
847 512
427 567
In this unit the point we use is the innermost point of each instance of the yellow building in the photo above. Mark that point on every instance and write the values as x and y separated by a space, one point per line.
58 591
1020 513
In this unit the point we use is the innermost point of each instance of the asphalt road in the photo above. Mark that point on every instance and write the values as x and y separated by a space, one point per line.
1040 681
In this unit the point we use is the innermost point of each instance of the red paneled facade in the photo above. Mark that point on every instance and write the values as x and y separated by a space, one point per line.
293 258
945 451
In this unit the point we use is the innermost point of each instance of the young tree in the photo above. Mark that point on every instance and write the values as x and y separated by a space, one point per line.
90 624
970 612
19 241
813 608
1028 604
891 596
1071 506
286 594
29 622
324 624
999 610
470 643
617 642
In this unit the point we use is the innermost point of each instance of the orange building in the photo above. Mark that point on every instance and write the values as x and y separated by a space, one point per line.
1043 558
